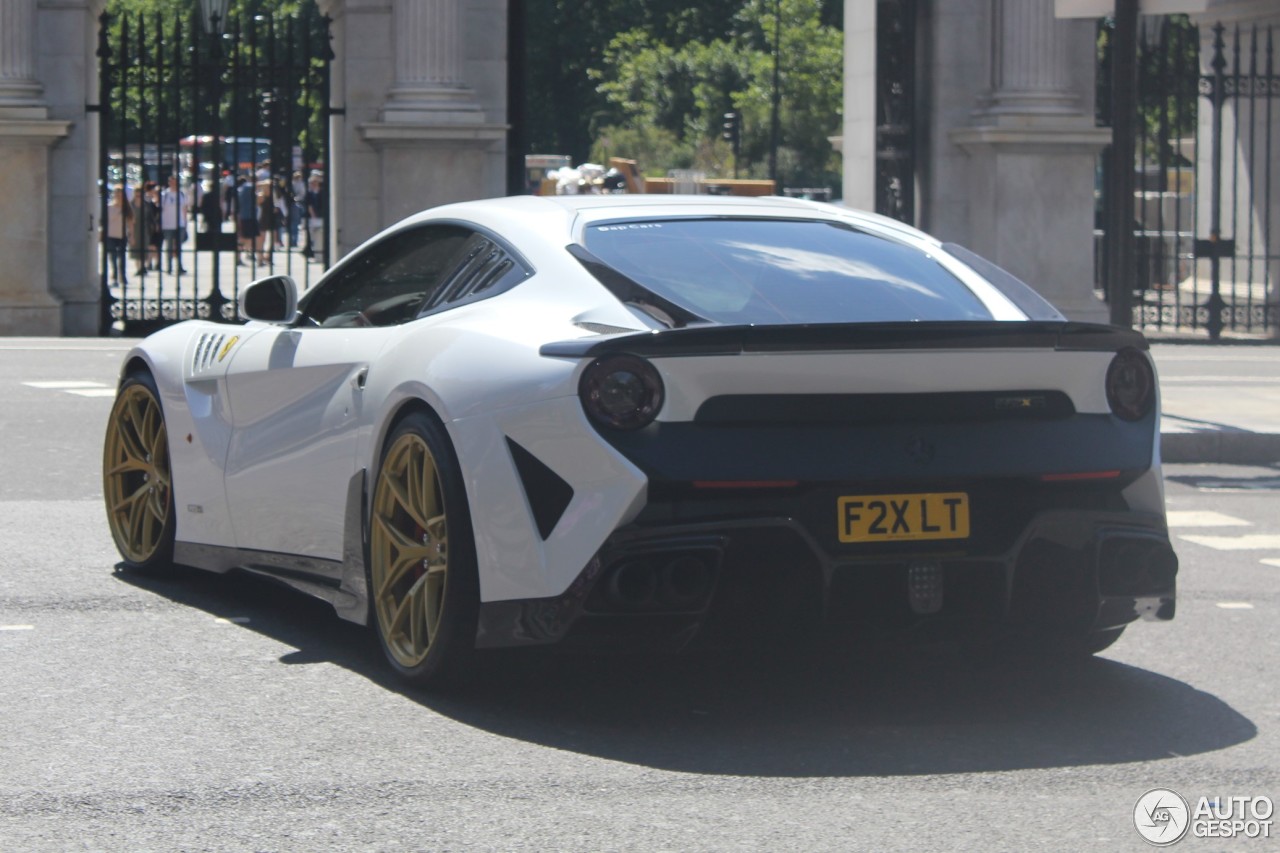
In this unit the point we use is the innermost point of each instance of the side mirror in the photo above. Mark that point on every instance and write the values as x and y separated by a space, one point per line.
271 300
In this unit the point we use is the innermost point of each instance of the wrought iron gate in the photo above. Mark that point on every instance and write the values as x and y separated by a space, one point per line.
895 109
204 128
1207 180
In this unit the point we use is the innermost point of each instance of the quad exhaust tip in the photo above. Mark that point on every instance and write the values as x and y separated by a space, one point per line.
679 582
1136 566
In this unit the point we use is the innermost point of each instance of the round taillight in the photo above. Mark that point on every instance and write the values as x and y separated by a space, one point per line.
621 392
1131 385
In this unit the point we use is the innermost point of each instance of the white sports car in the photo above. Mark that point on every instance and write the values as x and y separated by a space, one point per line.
613 421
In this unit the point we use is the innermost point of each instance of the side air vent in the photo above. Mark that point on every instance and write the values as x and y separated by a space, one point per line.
207 349
548 494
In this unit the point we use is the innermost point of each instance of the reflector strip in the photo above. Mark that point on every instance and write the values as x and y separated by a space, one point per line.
1082 475
745 484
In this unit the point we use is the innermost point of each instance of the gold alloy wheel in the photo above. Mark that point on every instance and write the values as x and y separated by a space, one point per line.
136 476
409 550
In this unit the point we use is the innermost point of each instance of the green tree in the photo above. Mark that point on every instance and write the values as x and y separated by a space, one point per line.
685 89
571 53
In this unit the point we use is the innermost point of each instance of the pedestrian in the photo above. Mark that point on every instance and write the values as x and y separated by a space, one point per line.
315 203
173 221
211 213
151 195
297 208
115 235
280 196
145 225
247 221
228 194
267 221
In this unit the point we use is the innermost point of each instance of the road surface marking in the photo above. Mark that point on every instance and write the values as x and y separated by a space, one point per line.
65 384
92 392
233 620
1219 380
1272 561
17 627
1235 605
1192 518
1252 542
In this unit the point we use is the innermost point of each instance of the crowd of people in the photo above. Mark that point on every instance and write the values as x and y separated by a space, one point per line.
271 213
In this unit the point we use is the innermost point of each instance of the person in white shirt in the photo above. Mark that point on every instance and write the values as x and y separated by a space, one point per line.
173 221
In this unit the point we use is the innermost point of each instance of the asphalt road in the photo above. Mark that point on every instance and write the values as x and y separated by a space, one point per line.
225 714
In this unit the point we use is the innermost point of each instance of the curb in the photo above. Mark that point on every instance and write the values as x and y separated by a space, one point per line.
1229 448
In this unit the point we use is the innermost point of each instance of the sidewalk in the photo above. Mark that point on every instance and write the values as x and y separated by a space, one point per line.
1221 403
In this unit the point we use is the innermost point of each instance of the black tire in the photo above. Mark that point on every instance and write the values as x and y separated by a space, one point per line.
137 482
421 566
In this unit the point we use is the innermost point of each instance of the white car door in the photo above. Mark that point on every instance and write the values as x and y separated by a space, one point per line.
294 398
296 393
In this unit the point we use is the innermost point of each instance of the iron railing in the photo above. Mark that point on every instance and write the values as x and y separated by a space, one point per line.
1207 181
247 101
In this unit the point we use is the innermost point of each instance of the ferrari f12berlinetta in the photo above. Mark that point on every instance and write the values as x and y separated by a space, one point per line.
639 421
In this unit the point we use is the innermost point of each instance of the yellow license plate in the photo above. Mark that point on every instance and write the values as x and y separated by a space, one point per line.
892 518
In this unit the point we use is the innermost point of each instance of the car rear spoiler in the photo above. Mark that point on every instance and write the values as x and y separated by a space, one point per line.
838 337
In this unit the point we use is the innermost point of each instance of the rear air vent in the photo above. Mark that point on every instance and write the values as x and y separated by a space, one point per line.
549 495
856 409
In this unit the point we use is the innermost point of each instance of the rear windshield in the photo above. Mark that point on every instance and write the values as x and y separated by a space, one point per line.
769 271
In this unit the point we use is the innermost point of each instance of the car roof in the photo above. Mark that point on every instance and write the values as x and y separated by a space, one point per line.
575 211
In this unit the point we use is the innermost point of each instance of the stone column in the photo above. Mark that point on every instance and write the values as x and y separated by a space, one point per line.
1029 72
429 65
1032 147
26 136
858 141
423 125
20 90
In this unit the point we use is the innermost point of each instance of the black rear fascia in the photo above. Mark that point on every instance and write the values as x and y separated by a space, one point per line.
903 452
712 340
861 409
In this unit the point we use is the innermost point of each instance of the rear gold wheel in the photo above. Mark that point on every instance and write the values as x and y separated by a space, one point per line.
421 558
136 478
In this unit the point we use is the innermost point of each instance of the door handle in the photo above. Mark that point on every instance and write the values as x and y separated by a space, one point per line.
357 381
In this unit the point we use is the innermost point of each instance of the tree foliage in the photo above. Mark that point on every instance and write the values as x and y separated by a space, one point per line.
656 89
1168 71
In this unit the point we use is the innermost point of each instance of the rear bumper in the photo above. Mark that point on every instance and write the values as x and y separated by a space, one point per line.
661 584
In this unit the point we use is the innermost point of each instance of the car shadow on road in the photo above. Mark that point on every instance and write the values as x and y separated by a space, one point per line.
853 711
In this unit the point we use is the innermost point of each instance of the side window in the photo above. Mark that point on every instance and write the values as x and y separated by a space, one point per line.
390 282
484 268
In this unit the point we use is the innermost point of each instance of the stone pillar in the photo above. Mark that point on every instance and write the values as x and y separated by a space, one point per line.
20 90
858 143
424 124
1029 71
27 306
429 83
1032 148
